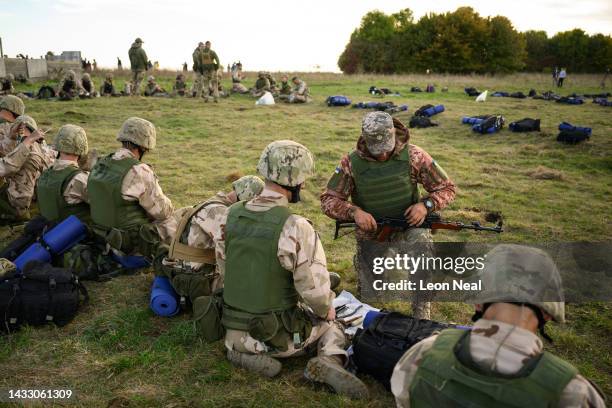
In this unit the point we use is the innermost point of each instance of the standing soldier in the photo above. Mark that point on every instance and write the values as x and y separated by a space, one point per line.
21 168
205 64
128 207
277 296
139 63
380 177
190 264
501 361
10 108
61 190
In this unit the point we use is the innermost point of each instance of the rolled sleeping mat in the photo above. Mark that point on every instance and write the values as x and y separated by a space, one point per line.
439 109
434 110
35 252
369 317
471 121
570 127
131 261
338 100
164 299
65 235
478 128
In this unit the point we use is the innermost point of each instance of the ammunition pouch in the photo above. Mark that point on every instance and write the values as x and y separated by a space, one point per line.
207 311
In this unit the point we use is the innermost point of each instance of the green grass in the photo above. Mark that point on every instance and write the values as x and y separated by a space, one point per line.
117 352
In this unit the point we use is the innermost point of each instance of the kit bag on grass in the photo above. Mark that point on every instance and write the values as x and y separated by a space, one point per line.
207 312
40 294
378 347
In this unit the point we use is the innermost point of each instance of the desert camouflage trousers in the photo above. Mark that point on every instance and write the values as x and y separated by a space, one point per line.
204 81
137 77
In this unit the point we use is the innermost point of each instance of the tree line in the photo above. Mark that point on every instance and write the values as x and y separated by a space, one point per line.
464 42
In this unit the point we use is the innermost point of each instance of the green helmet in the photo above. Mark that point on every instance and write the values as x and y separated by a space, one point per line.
138 131
12 104
247 187
286 163
86 77
28 121
517 273
71 139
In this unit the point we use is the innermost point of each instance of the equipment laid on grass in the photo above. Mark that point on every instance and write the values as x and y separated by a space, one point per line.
433 221
501 94
416 89
39 294
518 95
473 120
266 99
338 100
532 93
164 299
385 338
491 124
421 122
482 97
32 231
471 91
570 100
430 88
571 134
429 110
525 125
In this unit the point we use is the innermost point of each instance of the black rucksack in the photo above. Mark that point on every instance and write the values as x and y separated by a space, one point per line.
422 109
32 231
525 125
377 348
421 122
573 136
40 294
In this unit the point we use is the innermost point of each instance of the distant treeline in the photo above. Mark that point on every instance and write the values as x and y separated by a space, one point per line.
465 42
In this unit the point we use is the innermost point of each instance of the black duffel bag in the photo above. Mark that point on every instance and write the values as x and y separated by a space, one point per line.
378 348
41 294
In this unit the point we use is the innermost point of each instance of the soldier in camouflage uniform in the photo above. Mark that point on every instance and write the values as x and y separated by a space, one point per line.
501 361
180 86
300 92
205 65
272 81
152 89
6 85
380 177
88 87
262 85
285 89
62 189
10 108
69 88
108 88
21 168
237 77
277 296
140 64
128 207
190 264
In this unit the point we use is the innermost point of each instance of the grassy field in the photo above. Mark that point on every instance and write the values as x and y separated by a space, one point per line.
117 353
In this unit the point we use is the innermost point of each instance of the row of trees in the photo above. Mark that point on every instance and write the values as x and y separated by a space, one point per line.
465 42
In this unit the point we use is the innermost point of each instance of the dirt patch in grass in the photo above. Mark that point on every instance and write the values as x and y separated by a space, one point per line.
545 173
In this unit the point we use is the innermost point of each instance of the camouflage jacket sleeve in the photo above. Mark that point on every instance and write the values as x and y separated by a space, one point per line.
579 392
335 199
427 172
405 370
14 161
140 184
143 57
300 251
205 225
76 190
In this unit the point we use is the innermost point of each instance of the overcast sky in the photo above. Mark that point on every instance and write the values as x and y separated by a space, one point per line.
264 34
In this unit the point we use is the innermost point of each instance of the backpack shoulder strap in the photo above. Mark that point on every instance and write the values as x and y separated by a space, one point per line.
178 250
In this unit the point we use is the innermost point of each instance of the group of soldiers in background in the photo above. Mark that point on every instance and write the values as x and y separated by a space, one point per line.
277 291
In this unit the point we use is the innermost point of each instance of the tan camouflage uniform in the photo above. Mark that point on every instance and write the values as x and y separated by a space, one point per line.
7 144
308 263
300 93
262 85
501 347
76 190
141 184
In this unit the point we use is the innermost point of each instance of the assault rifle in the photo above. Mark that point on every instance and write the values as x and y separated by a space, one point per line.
433 222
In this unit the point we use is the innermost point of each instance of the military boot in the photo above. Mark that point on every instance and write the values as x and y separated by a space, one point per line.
326 369
257 363
334 280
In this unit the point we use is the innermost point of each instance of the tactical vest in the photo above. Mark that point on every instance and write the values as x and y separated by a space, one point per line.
108 87
255 283
68 86
108 208
6 85
384 189
87 86
50 192
448 377
179 249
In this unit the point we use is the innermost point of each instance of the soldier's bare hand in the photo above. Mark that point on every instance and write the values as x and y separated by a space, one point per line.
35 136
331 314
415 214
364 220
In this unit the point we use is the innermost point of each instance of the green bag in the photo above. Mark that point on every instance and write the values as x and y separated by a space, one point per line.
89 262
207 312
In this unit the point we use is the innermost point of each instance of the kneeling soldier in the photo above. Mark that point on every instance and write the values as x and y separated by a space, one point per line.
277 296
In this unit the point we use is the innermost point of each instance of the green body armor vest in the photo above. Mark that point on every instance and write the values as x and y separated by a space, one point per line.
255 282
108 208
384 189
50 189
448 377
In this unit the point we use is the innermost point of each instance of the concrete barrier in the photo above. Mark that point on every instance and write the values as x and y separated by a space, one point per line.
2 68
37 68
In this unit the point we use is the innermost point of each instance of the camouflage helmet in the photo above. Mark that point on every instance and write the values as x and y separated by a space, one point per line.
86 76
286 163
377 131
71 139
70 74
518 273
109 76
139 131
151 78
28 121
12 104
10 77
247 187
261 74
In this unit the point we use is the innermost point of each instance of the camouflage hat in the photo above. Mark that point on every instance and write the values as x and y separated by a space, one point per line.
139 131
109 76
138 40
377 131
248 187
86 76
70 74
286 163
10 77
28 121
517 273
71 139
151 78
12 104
